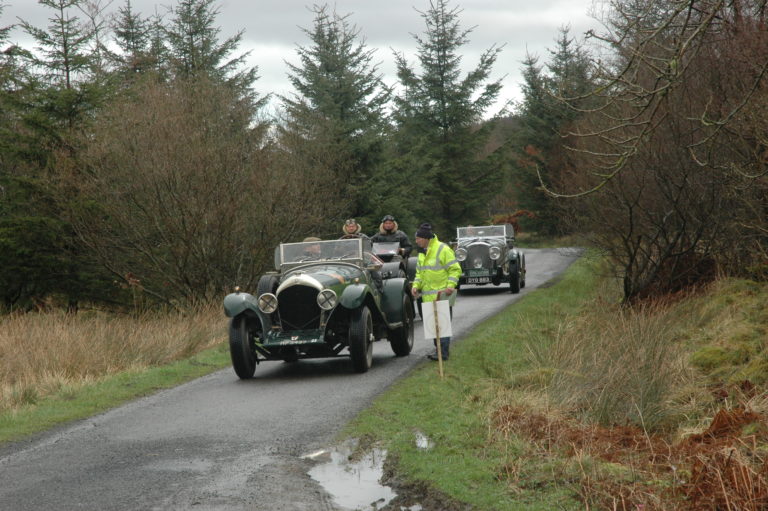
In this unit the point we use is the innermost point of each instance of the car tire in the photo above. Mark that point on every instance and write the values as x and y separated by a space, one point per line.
514 281
360 341
242 347
401 338
522 275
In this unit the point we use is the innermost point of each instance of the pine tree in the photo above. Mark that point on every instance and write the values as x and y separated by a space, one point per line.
551 102
63 47
340 91
53 103
194 47
133 37
440 120
7 61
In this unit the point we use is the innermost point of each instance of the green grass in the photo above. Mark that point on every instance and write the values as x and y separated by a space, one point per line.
452 412
70 403
570 355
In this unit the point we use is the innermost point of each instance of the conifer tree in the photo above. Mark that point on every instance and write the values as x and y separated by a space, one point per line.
53 104
132 34
440 116
194 47
551 102
63 47
339 91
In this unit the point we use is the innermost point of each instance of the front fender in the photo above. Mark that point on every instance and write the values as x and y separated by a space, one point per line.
354 296
237 303
513 258
392 299
410 269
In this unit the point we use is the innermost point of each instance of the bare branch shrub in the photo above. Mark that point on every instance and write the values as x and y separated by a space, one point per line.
677 150
185 194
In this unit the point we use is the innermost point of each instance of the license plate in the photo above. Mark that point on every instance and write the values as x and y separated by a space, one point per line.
478 280
482 272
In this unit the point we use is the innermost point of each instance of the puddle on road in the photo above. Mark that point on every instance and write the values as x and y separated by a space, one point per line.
354 485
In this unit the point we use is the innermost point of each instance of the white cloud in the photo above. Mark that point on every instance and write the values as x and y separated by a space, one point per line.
272 30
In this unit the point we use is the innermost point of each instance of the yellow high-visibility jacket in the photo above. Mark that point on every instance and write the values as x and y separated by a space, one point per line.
436 270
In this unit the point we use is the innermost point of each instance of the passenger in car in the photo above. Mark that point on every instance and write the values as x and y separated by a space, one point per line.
388 231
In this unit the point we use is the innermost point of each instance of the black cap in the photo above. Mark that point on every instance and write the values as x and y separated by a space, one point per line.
387 217
425 231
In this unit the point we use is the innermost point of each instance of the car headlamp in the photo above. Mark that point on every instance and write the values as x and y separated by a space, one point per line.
461 254
327 299
494 253
267 303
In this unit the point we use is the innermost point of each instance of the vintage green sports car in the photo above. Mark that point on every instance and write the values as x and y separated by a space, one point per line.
326 299
487 256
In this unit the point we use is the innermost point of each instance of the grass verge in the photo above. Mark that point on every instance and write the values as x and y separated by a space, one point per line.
56 367
567 400
453 412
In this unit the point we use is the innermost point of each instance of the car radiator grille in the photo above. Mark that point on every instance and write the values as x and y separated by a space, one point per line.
298 308
474 253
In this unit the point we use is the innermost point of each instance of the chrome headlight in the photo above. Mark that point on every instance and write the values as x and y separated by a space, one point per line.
327 299
267 303
461 254
477 262
494 253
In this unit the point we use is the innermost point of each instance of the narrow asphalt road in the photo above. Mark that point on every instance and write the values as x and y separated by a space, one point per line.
219 443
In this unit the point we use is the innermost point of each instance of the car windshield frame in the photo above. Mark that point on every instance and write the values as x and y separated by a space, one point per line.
387 247
485 231
356 251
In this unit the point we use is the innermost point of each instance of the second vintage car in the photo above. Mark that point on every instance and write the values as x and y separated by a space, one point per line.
326 299
487 256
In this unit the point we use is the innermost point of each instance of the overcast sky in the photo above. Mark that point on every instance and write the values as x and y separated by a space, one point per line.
272 30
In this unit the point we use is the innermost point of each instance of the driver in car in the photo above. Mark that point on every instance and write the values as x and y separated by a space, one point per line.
311 252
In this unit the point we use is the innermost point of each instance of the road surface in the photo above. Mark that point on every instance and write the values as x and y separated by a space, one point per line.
220 443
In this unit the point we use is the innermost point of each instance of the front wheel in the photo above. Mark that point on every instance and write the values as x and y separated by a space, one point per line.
514 281
361 340
242 347
401 338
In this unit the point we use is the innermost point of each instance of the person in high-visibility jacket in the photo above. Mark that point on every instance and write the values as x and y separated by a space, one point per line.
437 271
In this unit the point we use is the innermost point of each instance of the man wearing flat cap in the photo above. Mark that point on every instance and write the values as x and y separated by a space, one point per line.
437 273
388 232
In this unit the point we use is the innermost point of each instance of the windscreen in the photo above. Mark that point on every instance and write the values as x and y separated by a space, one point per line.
386 248
483 231
332 250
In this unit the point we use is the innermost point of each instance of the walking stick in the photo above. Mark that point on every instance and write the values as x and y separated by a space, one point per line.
437 338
